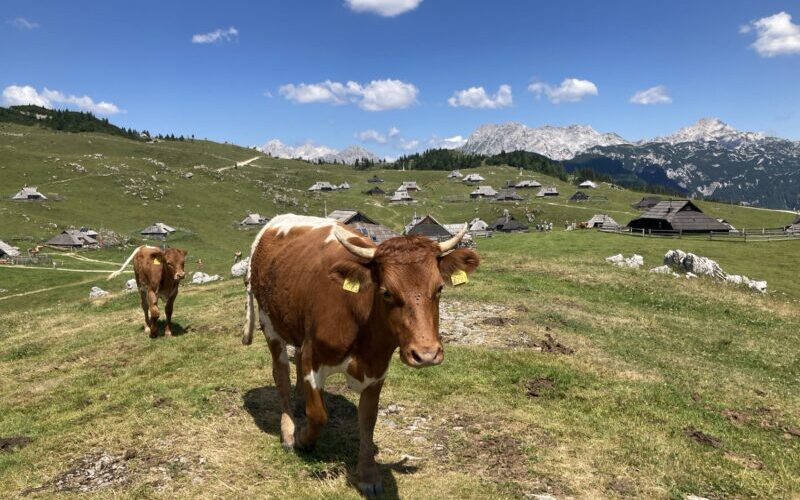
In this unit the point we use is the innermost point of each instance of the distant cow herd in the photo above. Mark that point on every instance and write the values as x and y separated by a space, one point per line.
344 303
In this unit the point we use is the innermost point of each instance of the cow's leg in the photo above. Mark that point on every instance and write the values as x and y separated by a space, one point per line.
146 309
316 414
369 478
152 305
168 313
299 386
280 372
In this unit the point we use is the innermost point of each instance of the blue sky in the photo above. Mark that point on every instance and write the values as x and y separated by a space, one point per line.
263 70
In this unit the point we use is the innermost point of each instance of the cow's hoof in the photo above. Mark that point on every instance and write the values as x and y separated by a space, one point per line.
371 489
153 334
168 333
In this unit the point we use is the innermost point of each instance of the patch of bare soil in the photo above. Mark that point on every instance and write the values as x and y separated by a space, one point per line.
749 462
701 437
540 387
552 345
13 443
91 472
470 323
736 417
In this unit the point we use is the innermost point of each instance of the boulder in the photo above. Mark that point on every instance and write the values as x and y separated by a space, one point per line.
694 265
199 278
615 259
130 286
240 268
661 270
96 292
634 262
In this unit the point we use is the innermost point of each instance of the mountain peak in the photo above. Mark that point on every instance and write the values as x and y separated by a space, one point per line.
312 152
708 130
558 143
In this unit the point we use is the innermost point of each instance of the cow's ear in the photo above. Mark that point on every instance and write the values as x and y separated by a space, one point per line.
351 272
458 260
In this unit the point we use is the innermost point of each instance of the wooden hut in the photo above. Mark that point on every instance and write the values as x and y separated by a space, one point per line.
547 192
320 186
473 178
29 193
483 192
7 251
376 232
508 224
528 184
72 238
508 195
677 215
579 196
375 179
602 221
375 191
646 203
254 220
348 217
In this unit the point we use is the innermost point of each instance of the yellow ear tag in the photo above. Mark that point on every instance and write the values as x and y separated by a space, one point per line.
351 285
156 262
459 278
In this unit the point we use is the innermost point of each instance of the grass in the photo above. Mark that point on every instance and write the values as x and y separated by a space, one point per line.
676 386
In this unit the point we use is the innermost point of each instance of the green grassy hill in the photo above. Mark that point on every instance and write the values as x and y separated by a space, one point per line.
563 375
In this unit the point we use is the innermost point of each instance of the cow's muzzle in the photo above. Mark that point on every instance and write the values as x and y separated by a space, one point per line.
179 276
420 357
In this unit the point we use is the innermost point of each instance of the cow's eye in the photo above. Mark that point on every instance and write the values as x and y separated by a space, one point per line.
386 294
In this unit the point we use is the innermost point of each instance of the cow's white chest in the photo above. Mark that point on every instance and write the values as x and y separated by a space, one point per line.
316 378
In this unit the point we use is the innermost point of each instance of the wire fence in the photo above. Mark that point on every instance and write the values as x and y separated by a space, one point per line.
741 236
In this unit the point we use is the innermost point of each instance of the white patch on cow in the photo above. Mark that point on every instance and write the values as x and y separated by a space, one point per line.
359 385
286 222
316 379
272 335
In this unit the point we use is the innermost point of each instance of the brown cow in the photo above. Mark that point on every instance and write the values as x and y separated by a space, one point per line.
300 271
158 274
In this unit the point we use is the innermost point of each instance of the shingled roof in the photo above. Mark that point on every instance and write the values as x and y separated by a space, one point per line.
677 215
72 238
8 250
647 202
350 216
602 220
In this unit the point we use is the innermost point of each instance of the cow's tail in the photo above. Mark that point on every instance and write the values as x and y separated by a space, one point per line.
250 307
250 315
119 271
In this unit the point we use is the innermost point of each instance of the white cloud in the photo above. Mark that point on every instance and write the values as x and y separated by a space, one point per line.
570 90
476 97
394 132
447 142
385 8
408 145
371 136
378 95
218 35
775 35
23 24
653 95
15 95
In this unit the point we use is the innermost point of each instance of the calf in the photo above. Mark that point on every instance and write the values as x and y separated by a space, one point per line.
346 305
158 274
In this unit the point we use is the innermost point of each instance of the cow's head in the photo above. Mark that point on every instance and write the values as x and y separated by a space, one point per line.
174 258
406 276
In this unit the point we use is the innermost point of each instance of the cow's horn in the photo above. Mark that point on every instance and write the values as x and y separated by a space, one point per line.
364 253
453 242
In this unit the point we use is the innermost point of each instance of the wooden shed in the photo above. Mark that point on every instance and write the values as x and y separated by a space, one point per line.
678 215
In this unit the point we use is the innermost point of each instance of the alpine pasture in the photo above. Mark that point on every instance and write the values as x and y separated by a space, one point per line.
563 375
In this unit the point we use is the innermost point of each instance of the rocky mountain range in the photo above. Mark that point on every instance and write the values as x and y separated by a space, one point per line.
557 143
709 159
314 152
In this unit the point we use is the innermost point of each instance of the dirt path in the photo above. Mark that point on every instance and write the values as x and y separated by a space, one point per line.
63 270
240 164
32 292
87 259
